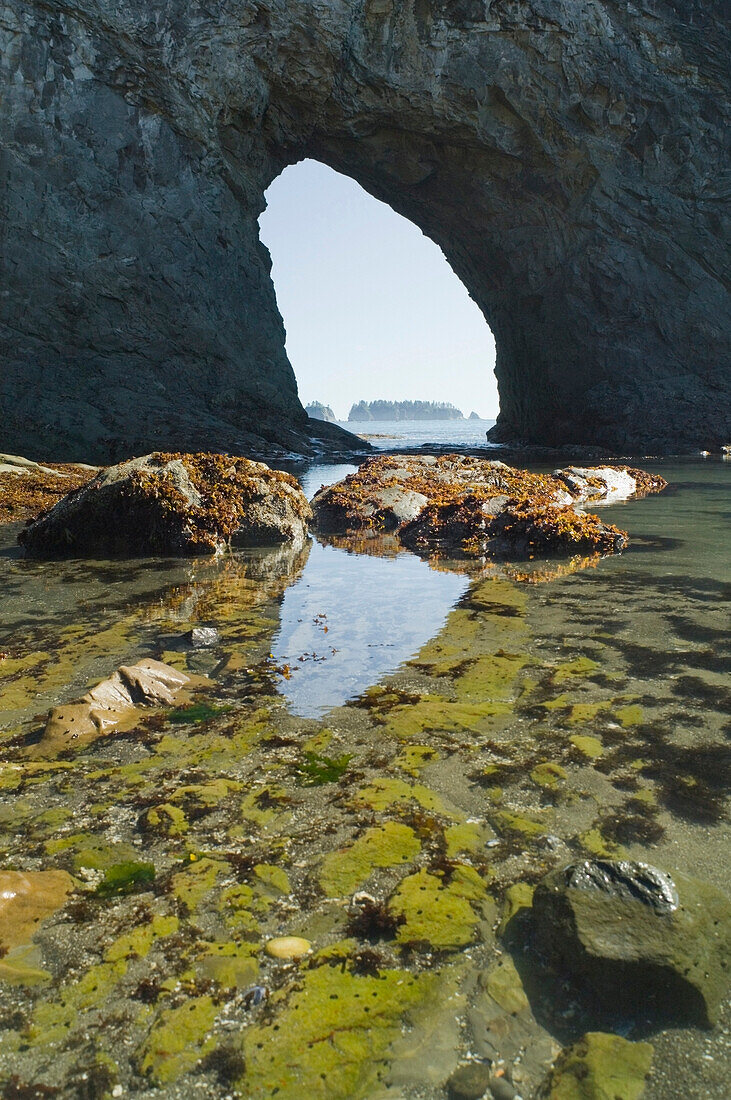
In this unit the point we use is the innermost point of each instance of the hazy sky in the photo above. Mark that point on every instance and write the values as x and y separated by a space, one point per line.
371 307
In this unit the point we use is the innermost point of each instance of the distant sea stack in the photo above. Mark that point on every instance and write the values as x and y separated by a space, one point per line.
474 416
404 410
317 411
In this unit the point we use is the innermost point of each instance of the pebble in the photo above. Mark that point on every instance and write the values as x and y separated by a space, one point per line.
287 947
501 1089
469 1082
202 636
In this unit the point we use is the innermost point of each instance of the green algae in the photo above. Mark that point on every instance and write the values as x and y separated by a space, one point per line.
137 943
125 878
388 845
52 1021
517 902
631 715
178 1040
599 1066
316 769
332 1035
579 667
385 792
591 747
596 844
413 758
435 713
197 712
465 837
439 913
231 965
167 819
197 880
548 776
508 821
273 879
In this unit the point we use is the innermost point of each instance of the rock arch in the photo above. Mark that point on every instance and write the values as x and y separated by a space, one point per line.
565 155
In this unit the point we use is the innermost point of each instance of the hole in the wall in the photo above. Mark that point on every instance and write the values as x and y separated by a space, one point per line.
371 307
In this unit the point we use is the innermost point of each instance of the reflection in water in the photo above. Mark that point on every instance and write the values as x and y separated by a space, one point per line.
68 624
351 619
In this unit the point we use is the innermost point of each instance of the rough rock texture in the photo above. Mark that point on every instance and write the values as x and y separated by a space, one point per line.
456 503
566 157
645 942
173 504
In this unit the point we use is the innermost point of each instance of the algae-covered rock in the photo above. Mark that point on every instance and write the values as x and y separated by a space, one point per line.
332 1034
643 941
26 900
178 1039
172 504
439 911
599 1067
386 845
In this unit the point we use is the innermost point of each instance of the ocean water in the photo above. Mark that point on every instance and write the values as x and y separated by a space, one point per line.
385 435
376 721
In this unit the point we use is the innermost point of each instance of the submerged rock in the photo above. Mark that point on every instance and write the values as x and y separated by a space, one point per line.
26 900
173 504
599 1067
643 941
113 703
461 504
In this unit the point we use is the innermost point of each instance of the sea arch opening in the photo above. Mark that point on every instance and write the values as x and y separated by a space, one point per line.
371 307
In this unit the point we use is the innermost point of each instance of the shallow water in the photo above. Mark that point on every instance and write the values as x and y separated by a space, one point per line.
413 759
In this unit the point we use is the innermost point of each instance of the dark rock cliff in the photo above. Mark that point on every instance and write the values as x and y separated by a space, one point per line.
565 154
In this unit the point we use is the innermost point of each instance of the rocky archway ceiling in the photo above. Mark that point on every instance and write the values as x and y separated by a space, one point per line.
566 157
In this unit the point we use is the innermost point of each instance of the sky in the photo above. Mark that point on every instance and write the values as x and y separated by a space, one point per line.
371 307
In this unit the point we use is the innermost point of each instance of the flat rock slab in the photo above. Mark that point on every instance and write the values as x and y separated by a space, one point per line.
461 504
643 941
173 504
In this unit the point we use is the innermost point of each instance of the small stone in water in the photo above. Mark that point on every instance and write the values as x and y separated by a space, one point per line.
501 1089
468 1082
288 947
202 636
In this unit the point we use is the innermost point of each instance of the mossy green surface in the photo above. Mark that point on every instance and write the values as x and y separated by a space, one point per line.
599 1066
548 776
388 845
440 913
178 1040
332 1034
124 878
591 747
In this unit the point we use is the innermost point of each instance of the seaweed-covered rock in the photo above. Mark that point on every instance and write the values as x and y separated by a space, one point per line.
28 488
599 1066
463 504
173 504
641 940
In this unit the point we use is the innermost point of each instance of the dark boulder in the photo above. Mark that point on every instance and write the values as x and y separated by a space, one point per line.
642 941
